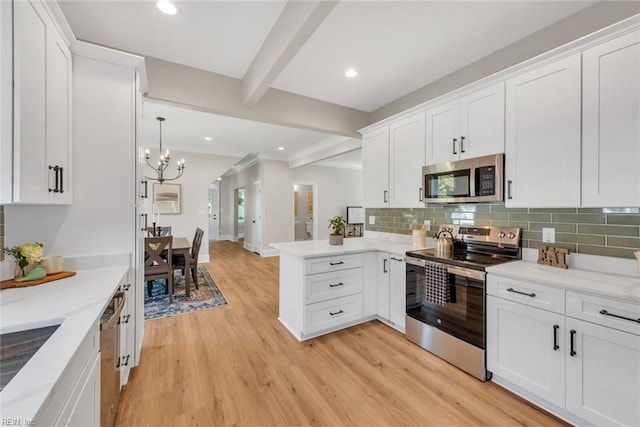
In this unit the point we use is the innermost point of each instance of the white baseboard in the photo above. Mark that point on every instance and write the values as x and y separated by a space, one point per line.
270 252
203 259
248 246
240 235
226 237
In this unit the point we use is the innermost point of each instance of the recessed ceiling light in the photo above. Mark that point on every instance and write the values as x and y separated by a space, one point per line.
208 138
351 73
167 7
219 179
281 148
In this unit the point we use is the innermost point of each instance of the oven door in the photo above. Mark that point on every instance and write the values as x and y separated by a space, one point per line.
463 315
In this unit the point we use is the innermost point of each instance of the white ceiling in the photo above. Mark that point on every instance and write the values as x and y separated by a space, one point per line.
185 130
396 46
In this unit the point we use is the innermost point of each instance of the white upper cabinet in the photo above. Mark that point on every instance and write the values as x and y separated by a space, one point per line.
41 109
375 147
406 151
471 126
611 123
542 156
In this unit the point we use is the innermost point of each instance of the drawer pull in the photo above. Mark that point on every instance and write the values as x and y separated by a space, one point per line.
336 263
337 312
331 285
532 295
606 313
555 337
572 351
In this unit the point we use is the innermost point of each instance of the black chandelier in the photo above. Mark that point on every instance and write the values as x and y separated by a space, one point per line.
163 163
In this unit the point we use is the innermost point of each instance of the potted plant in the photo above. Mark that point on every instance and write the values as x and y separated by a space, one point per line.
337 224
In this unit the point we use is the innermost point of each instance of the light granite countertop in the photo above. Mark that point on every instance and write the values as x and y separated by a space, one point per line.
610 285
320 248
75 303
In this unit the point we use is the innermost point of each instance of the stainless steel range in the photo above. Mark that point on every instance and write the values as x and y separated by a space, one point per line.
446 293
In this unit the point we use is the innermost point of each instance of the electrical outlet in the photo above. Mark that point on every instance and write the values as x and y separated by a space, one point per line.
549 235
372 220
427 224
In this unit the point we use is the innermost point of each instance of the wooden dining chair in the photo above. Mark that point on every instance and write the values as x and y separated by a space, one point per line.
160 231
180 262
159 262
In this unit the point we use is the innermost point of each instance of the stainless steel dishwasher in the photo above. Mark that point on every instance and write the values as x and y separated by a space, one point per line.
109 356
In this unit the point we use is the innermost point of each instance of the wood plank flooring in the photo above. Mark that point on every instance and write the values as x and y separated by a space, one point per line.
237 365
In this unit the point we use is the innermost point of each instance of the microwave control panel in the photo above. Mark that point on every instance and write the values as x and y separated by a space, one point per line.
487 181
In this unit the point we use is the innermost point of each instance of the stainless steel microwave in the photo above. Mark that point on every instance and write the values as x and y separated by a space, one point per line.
479 179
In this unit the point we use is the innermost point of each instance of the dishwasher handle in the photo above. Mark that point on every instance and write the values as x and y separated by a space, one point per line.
113 320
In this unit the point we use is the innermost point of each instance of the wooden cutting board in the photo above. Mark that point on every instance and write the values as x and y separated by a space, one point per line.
6 284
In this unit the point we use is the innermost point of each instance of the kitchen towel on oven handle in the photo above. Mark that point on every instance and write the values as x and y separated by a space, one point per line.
436 290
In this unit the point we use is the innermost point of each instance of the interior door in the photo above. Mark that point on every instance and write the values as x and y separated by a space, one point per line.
256 222
214 213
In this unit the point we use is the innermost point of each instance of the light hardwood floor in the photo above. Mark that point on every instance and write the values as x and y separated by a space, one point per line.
237 365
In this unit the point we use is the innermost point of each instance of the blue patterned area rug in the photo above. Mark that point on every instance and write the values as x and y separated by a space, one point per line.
206 296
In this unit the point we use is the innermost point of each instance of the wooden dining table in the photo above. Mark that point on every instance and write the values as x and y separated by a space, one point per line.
181 246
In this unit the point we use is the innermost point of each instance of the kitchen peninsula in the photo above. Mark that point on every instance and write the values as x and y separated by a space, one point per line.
324 288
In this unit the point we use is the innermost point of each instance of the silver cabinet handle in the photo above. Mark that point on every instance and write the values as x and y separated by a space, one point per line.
420 194
454 145
509 182
385 196
462 144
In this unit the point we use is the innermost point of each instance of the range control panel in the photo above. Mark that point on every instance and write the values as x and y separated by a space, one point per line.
497 236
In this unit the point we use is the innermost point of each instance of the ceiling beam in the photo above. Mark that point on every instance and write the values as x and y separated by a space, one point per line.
297 22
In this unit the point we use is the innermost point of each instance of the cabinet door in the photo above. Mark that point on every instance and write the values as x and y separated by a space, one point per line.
397 292
375 146
383 283
58 113
542 156
407 157
482 122
520 348
611 123
603 376
443 139
86 410
31 174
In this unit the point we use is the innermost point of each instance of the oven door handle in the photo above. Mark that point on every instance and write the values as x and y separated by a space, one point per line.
465 272
416 261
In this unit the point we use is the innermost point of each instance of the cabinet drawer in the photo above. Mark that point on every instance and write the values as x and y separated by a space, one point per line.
332 313
334 284
589 308
524 292
324 264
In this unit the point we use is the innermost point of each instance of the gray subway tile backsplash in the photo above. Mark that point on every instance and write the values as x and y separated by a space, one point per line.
598 231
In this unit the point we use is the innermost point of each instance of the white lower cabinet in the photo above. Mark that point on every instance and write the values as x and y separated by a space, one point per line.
582 364
75 400
390 289
521 347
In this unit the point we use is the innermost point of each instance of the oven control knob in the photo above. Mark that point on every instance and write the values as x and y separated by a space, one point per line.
501 234
511 235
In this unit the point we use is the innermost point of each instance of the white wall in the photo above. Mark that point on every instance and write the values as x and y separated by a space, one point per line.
336 189
277 203
201 170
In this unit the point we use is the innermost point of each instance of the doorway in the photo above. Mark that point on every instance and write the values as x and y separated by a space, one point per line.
256 222
214 211
304 211
239 214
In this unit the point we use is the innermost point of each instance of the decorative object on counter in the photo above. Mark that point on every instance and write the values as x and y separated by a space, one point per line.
37 272
25 256
337 224
444 243
52 264
207 295
163 163
555 257
419 237
637 254
6 284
